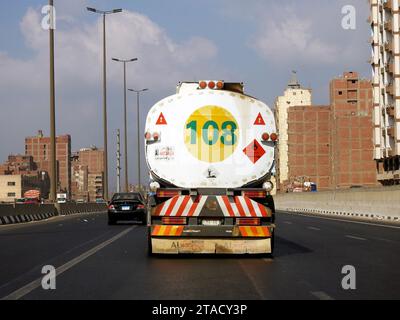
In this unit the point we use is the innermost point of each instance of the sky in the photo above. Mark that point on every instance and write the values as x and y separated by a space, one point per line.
258 42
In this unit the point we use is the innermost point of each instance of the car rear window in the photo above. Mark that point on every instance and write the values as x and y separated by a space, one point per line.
127 196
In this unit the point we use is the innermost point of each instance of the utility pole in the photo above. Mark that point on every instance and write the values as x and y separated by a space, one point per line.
104 13
53 166
125 61
138 128
118 162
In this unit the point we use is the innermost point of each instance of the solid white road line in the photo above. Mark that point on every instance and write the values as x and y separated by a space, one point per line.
287 222
356 238
321 295
18 294
314 228
343 220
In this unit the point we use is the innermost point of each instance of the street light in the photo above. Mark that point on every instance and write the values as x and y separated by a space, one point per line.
104 13
53 162
125 125
138 129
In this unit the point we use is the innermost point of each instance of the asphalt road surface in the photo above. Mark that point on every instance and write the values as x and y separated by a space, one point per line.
97 261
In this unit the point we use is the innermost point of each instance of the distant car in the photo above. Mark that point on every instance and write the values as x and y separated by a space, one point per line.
127 207
32 201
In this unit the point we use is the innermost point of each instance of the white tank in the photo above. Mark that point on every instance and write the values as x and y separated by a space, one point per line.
210 138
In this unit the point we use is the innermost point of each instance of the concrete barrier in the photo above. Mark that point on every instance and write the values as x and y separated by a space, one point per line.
366 204
20 213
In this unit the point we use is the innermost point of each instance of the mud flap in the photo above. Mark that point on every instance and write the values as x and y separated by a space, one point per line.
210 246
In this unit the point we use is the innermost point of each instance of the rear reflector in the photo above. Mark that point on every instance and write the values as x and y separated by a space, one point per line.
167 193
255 194
248 222
174 220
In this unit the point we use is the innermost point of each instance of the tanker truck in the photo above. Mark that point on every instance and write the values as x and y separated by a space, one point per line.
210 153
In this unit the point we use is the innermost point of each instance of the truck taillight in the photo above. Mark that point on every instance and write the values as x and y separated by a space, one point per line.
147 136
265 136
174 220
213 85
274 137
203 84
167 193
156 136
255 194
248 221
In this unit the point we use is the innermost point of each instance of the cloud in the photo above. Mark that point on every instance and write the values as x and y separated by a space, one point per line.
293 38
24 83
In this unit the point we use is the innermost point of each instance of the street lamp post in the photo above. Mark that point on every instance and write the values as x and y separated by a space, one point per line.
138 130
53 166
125 122
104 13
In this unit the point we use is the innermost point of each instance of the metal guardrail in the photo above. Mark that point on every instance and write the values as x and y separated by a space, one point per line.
19 213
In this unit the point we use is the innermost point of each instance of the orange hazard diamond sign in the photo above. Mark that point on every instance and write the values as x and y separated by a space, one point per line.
254 151
161 120
259 121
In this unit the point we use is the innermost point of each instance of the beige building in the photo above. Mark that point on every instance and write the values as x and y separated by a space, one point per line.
95 186
294 95
10 187
385 61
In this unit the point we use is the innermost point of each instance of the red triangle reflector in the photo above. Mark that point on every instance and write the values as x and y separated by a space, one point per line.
259 121
161 120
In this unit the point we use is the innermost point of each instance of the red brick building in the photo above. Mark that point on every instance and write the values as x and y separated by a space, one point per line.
309 145
87 174
332 145
39 148
352 135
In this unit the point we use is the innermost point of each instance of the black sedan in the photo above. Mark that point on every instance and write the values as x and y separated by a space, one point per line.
127 207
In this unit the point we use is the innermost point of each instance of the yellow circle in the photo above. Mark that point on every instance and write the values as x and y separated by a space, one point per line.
211 134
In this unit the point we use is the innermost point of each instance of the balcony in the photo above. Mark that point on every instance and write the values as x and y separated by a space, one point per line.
388 5
390 89
390 111
389 26
388 46
390 131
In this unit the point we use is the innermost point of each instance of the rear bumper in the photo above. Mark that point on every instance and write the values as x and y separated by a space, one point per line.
127 215
211 240
210 246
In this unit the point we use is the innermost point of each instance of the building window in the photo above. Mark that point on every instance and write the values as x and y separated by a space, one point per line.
11 194
11 183
340 93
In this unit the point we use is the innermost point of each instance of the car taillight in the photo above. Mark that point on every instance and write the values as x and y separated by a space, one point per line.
174 220
140 206
111 207
167 193
248 221
255 194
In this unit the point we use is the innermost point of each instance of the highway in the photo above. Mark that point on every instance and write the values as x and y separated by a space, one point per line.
97 261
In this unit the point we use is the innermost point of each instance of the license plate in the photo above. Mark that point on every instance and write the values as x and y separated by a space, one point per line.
126 208
211 222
